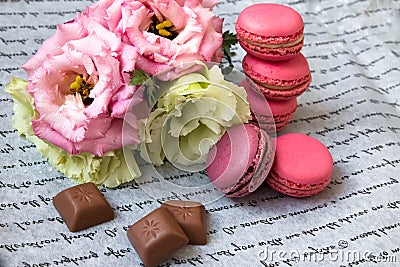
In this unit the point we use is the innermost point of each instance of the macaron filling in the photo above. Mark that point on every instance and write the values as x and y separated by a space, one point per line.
269 86
281 84
282 53
283 94
273 45
268 40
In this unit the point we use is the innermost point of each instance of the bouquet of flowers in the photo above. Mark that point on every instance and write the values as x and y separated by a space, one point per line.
84 82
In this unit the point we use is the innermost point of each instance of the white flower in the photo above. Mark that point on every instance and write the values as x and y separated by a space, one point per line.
191 117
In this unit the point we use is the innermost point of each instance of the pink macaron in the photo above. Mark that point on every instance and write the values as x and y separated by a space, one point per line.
267 113
240 161
279 80
302 166
270 31
282 111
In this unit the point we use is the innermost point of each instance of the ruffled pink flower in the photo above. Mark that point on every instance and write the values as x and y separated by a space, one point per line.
102 46
72 30
86 49
198 31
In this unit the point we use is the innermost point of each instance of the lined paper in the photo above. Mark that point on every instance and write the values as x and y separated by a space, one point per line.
352 106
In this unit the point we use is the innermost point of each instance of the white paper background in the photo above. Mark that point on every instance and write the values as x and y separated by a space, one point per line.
352 106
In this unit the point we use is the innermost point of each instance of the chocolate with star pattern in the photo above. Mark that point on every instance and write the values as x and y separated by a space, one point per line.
156 237
191 216
82 206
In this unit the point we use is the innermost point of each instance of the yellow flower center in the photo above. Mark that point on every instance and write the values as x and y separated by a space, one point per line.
82 87
163 28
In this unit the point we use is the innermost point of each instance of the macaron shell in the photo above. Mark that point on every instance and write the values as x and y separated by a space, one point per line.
278 112
258 171
222 174
259 105
271 54
272 94
293 73
277 73
229 160
283 111
267 154
279 125
293 189
266 20
261 25
302 161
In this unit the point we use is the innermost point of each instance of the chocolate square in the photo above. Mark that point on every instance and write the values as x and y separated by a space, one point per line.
191 216
82 206
156 237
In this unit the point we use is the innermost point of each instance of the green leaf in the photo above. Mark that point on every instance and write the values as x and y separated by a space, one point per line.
138 77
229 40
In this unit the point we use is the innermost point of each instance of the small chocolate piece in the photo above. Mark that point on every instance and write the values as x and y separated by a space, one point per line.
191 216
82 206
156 237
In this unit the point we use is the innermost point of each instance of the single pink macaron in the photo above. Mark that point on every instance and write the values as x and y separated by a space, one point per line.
302 166
270 31
279 80
278 112
240 161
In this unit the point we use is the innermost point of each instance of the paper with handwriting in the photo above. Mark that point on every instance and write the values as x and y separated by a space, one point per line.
352 106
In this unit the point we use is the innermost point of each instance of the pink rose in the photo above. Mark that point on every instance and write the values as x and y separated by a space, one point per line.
165 32
68 31
79 88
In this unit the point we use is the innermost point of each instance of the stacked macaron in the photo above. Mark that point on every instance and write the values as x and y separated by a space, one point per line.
272 35
277 73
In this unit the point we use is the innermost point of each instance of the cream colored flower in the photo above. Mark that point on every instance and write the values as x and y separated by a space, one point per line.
191 117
